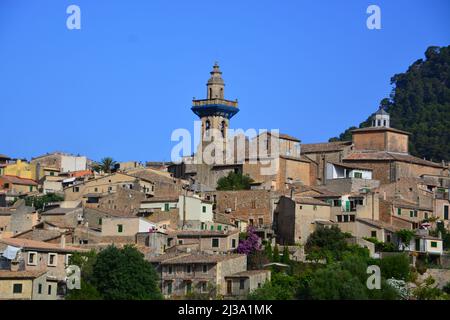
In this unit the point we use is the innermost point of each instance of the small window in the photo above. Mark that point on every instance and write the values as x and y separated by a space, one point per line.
339 218
100 221
399 211
119 228
76 189
345 218
250 222
169 288
204 286
358 175
169 270
52 259
260 221
373 234
352 218
180 241
215 243
233 243
188 268
32 258
411 213
388 238
205 268
219 227
40 288
49 290
241 284
204 209
166 207
17 288
433 244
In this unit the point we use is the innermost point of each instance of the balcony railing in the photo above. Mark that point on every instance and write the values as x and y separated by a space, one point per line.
205 102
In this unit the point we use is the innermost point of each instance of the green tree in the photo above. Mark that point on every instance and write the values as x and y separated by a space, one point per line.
234 181
276 254
420 103
428 291
335 283
123 274
39 202
106 165
395 266
86 292
281 287
405 236
326 243
285 257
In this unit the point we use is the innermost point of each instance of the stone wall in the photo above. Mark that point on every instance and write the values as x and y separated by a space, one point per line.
245 204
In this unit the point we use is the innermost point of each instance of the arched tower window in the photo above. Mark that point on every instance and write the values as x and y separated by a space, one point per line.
222 128
207 127
210 93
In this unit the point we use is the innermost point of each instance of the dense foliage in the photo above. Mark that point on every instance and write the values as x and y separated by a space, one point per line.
420 104
39 202
344 275
234 181
326 243
116 274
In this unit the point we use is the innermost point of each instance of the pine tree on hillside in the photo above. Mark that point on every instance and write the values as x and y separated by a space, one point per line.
420 103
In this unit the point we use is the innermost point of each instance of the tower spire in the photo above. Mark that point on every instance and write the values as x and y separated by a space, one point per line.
215 85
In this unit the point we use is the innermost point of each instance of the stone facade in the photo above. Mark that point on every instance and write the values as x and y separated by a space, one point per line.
184 273
253 206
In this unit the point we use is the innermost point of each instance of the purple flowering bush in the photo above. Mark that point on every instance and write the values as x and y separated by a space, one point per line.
251 244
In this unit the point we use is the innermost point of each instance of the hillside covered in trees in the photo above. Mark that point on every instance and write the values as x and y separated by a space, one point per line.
420 103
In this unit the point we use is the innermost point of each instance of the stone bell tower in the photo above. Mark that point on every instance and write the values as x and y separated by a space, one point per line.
381 119
215 111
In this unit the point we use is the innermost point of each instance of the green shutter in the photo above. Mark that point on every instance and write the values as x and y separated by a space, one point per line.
219 228
347 205
399 211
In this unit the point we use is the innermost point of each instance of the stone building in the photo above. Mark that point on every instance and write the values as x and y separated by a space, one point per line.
272 169
253 206
295 219
240 284
186 273
91 191
18 185
322 153
41 256
385 151
17 218
64 162
69 214
208 241
26 285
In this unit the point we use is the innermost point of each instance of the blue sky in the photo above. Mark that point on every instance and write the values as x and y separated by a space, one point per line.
119 86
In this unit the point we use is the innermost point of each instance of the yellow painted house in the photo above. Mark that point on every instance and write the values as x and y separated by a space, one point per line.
25 170
21 169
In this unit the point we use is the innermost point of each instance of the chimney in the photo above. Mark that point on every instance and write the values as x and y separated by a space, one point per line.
15 265
63 241
384 195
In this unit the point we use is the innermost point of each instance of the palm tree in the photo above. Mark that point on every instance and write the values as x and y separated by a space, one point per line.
106 164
